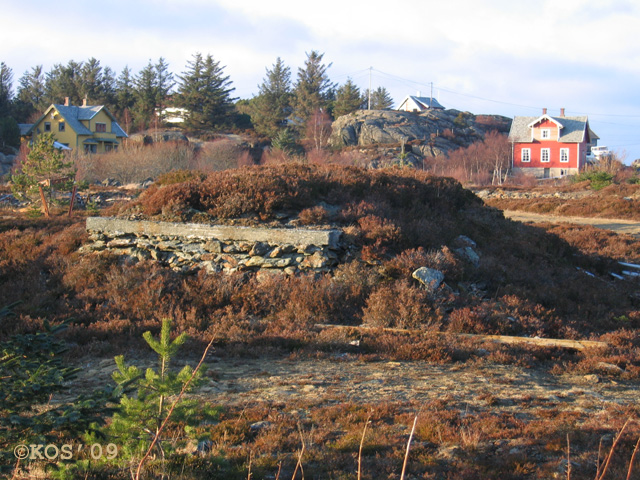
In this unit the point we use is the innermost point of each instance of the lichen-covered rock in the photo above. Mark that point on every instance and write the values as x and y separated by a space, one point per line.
429 277
427 134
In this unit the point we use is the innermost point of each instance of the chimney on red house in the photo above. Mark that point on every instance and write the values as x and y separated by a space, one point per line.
544 111
66 101
562 112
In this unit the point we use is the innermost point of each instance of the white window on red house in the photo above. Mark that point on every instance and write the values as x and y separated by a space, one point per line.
564 155
545 133
545 155
101 127
525 155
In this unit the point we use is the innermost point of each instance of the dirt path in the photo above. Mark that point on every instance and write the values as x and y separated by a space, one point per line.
345 378
629 227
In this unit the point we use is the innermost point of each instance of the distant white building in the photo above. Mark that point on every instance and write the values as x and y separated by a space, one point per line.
414 103
173 114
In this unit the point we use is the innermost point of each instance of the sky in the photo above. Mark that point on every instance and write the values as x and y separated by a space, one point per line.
506 57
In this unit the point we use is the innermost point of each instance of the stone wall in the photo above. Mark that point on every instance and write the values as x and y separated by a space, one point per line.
189 247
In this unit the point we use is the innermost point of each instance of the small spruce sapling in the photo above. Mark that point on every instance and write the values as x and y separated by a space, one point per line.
139 418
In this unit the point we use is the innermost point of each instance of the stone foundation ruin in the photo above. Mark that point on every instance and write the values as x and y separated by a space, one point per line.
214 248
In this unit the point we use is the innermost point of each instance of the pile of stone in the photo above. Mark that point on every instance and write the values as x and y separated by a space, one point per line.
215 248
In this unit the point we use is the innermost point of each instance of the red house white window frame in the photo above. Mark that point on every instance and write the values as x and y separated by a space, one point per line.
564 155
525 155
545 155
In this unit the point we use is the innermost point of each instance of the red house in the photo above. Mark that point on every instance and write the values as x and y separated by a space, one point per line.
549 146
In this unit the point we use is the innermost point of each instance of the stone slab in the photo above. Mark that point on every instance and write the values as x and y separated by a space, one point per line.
111 225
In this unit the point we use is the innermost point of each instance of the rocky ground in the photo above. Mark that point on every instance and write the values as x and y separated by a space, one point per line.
345 377
629 227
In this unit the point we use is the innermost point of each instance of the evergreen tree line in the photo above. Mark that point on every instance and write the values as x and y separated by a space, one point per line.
203 89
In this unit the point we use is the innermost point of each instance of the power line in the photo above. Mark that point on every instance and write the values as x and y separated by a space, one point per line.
408 82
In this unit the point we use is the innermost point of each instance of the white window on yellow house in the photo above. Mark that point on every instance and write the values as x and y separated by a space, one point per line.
101 127
61 126
47 126
545 133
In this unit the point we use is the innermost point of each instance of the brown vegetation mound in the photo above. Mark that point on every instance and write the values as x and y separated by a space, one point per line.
525 281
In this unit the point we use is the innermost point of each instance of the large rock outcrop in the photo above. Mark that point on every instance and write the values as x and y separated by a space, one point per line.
429 134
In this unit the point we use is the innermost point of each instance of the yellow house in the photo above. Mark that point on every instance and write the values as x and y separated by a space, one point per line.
86 128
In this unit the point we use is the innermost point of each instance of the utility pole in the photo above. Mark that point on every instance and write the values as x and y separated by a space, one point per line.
370 69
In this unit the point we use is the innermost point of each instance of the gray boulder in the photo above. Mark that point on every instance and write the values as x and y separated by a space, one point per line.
428 134
429 277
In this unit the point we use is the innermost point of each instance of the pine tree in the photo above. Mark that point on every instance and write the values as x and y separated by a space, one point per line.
46 163
272 106
348 99
205 92
313 91
139 418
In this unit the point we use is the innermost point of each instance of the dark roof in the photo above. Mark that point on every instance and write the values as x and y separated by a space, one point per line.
427 102
74 115
25 128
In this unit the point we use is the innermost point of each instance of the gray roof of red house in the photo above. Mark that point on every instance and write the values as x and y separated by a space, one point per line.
572 131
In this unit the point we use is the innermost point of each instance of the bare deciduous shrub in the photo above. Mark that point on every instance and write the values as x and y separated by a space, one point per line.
134 163
399 305
219 155
314 216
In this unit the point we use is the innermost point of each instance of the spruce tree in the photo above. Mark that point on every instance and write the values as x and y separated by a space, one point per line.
6 90
313 90
204 91
124 98
91 86
146 96
31 94
380 99
348 99
64 81
272 106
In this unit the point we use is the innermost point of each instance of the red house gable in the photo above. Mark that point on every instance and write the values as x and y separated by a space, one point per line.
550 146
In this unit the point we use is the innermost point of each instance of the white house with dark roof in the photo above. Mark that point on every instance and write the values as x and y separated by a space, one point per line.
551 146
419 104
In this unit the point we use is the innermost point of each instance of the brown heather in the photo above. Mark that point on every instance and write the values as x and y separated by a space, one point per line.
530 281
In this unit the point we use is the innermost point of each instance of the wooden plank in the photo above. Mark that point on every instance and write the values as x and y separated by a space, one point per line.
504 339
